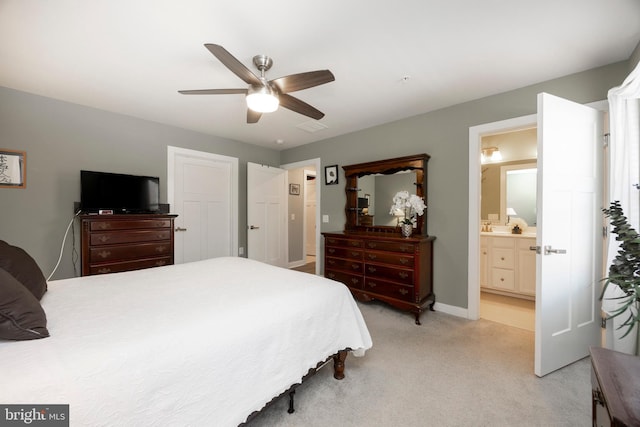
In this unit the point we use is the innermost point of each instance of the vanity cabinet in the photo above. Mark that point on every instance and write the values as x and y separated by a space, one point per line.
385 267
507 265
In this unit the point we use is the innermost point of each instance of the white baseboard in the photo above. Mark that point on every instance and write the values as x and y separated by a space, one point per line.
451 309
294 264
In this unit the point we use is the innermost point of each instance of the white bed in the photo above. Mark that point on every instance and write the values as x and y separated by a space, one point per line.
204 343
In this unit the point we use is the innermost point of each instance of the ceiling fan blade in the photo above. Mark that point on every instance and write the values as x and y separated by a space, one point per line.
253 116
294 104
213 91
301 81
233 64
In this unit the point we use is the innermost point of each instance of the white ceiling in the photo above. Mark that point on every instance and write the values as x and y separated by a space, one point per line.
132 56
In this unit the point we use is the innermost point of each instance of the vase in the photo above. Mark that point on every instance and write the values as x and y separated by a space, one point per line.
407 229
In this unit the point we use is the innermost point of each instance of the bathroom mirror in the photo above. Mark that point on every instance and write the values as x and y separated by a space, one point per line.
370 188
518 185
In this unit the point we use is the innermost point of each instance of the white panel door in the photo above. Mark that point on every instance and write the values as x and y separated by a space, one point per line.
267 214
204 195
568 269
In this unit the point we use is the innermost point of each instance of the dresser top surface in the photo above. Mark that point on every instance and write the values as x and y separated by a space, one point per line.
382 236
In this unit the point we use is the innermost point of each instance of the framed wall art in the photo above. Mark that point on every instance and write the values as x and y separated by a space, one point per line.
331 175
13 169
294 189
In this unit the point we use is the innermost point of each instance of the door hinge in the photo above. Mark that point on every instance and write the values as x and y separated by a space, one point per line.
603 322
605 140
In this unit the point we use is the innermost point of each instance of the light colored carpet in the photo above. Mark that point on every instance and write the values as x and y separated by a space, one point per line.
447 372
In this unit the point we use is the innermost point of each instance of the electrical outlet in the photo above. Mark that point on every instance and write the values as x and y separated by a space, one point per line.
293 217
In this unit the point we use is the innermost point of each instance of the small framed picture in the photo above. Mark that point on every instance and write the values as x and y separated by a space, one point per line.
331 175
13 169
294 189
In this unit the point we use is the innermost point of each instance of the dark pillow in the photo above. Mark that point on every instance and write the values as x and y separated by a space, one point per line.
24 268
21 315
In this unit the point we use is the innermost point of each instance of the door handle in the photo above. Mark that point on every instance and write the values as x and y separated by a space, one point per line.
180 229
535 248
253 227
549 250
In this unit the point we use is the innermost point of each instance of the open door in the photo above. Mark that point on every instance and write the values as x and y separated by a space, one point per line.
267 214
569 240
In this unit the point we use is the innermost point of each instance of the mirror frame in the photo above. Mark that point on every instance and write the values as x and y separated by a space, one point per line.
417 163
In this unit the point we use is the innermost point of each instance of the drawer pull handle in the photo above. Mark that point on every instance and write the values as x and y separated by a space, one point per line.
403 291
372 256
102 225
372 284
356 244
330 261
160 249
501 258
104 254
160 236
331 275
354 280
160 263
104 239
355 266
354 254
406 248
104 270
371 245
403 274
404 261
502 279
372 269
160 224
331 250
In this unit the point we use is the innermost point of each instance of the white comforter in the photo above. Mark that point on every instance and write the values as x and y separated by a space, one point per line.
204 343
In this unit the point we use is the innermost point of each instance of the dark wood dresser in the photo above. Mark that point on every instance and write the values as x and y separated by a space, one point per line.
113 243
615 388
383 266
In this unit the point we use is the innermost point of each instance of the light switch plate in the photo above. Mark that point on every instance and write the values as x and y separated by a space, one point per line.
325 218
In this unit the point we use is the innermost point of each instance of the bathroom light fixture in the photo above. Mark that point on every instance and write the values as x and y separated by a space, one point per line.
491 154
262 99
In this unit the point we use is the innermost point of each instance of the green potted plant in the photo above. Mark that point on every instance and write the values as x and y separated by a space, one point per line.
624 271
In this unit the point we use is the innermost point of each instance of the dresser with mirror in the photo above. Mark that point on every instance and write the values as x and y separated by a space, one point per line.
371 256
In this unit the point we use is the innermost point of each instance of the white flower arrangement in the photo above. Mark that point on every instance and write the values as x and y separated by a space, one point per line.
409 204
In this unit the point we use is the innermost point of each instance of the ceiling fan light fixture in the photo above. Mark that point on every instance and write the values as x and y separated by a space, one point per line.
262 99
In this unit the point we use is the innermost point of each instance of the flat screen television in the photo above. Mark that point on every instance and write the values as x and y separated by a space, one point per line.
118 192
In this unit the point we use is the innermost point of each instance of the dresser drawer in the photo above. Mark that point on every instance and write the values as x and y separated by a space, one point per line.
347 253
503 258
503 279
345 243
344 264
129 265
394 258
398 275
407 248
117 253
128 224
391 289
351 280
130 236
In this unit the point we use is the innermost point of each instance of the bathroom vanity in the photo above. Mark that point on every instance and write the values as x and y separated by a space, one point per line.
508 264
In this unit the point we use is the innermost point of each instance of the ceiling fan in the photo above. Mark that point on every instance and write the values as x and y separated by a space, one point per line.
264 96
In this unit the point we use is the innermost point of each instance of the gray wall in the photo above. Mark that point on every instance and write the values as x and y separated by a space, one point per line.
296 208
444 134
61 138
